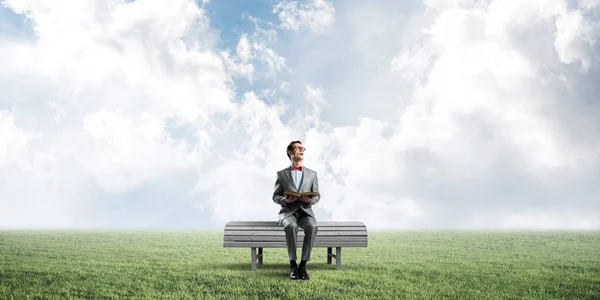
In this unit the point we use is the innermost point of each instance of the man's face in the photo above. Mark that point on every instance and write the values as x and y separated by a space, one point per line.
298 152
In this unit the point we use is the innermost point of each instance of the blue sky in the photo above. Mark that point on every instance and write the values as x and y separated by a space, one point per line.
13 24
416 115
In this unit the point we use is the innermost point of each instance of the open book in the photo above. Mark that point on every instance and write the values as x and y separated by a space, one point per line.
292 193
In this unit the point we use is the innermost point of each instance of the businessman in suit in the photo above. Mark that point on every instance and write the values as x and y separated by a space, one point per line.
297 211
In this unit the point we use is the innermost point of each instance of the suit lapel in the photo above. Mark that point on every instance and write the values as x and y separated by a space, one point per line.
305 178
288 175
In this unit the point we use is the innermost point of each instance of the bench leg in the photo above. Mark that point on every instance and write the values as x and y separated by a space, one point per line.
260 256
338 258
253 256
328 255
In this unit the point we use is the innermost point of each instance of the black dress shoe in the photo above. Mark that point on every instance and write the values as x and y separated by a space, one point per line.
303 274
294 273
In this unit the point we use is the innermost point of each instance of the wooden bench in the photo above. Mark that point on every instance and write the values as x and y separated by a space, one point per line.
268 234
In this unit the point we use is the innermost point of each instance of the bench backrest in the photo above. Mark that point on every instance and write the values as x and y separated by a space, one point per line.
269 234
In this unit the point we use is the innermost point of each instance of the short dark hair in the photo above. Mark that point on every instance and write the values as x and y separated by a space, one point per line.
290 147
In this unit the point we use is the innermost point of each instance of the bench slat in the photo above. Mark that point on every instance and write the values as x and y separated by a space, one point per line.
300 242
267 228
283 244
238 238
300 232
274 223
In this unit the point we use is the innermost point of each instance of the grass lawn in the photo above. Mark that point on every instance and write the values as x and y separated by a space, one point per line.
395 265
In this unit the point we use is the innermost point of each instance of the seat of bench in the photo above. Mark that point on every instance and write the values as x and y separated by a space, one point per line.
269 234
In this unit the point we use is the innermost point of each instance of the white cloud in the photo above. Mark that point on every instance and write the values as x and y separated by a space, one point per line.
254 55
95 93
316 97
243 49
588 4
240 64
317 15
129 150
575 38
413 63
13 142
487 130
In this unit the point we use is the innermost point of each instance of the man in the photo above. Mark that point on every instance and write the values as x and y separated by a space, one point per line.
296 211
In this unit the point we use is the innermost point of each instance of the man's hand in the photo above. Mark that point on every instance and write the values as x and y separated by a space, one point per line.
306 199
290 198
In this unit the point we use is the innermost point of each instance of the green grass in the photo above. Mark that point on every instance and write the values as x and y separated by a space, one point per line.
395 265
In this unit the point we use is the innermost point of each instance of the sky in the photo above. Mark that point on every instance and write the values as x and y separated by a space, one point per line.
421 114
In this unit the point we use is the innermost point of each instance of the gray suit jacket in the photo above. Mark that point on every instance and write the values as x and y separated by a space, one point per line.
284 182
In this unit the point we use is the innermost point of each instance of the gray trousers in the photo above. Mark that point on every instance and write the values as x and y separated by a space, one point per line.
291 224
